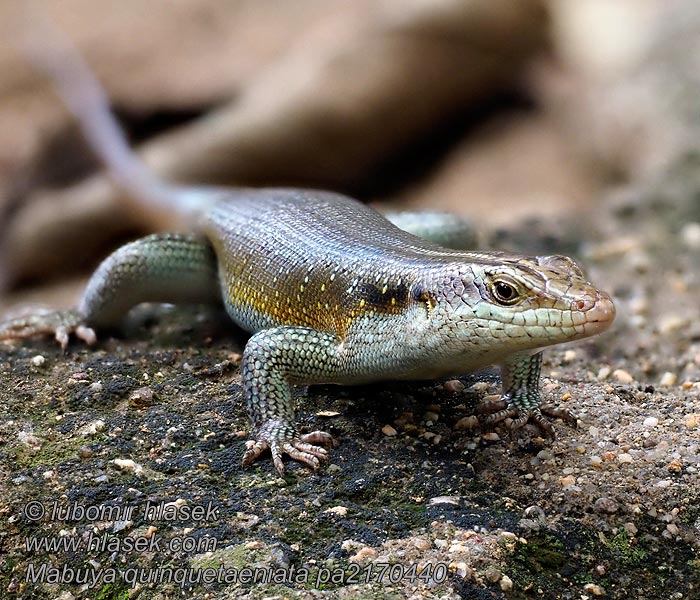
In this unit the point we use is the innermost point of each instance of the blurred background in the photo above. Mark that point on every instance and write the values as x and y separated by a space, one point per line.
512 113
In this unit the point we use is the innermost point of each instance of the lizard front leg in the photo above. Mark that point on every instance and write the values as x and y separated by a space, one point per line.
521 400
157 268
274 358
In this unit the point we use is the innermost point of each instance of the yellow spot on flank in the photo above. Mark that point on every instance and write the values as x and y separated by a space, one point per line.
384 289
301 287
393 301
323 287
362 302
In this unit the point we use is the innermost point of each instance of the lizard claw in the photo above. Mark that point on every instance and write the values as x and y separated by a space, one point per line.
61 324
281 438
500 410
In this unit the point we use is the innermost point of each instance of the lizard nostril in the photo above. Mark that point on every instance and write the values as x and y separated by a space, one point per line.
581 304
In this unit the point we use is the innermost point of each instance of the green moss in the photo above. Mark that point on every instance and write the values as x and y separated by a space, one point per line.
625 552
235 557
543 553
51 453
113 591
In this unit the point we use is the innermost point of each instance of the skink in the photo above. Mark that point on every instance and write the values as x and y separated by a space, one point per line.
331 291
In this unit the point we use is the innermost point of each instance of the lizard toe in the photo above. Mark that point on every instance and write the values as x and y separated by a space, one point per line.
281 439
557 412
60 324
255 450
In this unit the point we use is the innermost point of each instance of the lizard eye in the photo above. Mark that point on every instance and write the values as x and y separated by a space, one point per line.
504 292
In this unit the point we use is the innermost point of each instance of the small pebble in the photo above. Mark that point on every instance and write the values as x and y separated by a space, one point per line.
389 431
38 360
603 373
631 528
421 544
569 355
606 505
567 481
672 323
624 458
466 423
461 569
651 422
126 464
141 397
690 235
668 379
675 466
453 386
596 461
594 588
341 511
622 376
691 421
491 436
92 428
506 583
454 500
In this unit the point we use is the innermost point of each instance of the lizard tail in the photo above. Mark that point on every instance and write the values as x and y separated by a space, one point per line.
50 51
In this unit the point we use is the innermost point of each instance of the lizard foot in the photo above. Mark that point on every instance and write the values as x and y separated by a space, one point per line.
60 324
280 438
502 409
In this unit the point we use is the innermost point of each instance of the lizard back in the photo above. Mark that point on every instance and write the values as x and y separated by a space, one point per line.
313 258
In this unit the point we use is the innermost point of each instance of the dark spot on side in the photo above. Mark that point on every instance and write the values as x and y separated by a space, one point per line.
393 300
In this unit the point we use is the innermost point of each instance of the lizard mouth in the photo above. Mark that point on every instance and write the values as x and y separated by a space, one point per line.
600 316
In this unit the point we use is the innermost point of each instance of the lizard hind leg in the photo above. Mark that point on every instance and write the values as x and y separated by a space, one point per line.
157 268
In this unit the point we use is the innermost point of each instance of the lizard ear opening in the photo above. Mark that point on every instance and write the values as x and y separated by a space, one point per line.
422 295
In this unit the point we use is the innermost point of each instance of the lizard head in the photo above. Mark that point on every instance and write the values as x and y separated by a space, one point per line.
521 303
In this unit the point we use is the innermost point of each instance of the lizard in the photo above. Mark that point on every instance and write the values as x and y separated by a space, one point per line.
329 289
